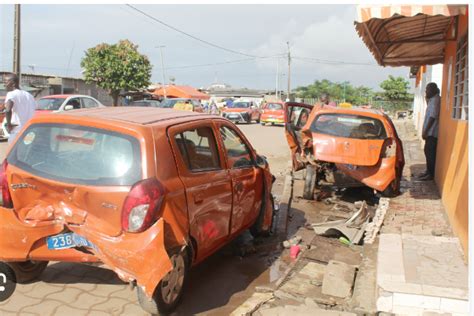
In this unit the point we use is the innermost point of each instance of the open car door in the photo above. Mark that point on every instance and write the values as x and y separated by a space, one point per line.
296 117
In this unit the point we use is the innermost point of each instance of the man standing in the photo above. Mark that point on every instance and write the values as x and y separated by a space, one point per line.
430 130
19 106
325 102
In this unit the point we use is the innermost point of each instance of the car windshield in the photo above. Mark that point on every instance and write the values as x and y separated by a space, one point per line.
169 103
240 105
274 106
50 104
78 154
349 126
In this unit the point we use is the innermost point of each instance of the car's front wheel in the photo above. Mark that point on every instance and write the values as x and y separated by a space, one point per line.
170 289
28 270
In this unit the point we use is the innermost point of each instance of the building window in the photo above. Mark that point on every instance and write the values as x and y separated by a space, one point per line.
461 104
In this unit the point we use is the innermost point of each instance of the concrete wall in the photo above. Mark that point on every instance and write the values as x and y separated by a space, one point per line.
452 155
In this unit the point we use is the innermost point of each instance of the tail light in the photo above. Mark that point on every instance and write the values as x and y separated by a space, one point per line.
142 206
6 197
389 148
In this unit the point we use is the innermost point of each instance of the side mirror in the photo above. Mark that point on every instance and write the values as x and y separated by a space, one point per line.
242 163
262 161
68 107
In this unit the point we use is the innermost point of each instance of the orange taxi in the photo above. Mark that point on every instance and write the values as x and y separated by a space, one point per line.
344 147
148 192
273 113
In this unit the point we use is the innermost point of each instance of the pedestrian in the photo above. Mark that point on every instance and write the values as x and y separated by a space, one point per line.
430 130
19 106
213 108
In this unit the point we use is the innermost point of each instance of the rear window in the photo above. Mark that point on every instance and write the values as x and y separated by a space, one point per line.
274 106
349 126
78 155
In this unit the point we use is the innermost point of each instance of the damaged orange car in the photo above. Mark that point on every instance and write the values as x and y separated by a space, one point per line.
344 147
148 192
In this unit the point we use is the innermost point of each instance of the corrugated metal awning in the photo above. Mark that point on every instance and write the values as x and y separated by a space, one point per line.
407 35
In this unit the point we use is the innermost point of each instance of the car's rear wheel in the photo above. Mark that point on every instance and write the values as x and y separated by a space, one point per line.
393 189
309 182
170 289
28 270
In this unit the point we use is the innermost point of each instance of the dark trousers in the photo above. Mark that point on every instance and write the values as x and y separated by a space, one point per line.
430 154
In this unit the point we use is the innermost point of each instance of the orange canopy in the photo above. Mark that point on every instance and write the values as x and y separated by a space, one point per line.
173 91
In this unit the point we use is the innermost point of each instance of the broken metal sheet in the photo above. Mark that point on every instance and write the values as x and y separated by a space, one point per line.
352 228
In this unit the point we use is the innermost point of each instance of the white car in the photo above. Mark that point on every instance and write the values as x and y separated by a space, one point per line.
59 103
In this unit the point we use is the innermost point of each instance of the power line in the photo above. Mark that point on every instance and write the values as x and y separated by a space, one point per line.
190 35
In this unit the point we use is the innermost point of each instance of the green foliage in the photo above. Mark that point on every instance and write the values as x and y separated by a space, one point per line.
337 91
117 67
396 94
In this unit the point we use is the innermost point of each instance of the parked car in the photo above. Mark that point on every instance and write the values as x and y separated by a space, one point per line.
59 103
148 192
181 104
66 102
344 147
273 112
242 112
149 103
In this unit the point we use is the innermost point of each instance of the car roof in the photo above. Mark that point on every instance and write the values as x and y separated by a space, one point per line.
63 96
354 111
134 114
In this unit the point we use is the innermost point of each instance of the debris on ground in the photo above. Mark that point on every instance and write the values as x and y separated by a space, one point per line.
338 279
353 228
292 242
372 228
252 304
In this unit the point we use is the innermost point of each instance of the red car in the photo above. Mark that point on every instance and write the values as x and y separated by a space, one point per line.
242 112
273 112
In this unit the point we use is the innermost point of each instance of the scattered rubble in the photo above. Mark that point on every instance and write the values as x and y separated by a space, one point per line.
252 304
338 279
292 242
372 228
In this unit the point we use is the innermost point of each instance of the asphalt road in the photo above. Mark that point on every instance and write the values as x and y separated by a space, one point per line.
216 287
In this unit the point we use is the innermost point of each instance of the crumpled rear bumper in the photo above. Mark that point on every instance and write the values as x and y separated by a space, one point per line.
141 257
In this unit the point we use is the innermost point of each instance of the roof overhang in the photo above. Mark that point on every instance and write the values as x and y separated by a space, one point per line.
407 35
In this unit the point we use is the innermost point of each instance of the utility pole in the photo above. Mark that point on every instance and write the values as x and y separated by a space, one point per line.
17 43
289 72
162 69
277 84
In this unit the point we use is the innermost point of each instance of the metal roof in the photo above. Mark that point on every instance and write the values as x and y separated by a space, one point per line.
407 35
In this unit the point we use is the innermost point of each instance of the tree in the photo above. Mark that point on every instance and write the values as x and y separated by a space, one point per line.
116 67
396 93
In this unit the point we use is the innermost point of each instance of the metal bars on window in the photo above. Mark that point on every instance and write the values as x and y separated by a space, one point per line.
461 81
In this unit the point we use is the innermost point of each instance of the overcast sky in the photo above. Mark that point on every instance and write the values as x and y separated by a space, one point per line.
54 38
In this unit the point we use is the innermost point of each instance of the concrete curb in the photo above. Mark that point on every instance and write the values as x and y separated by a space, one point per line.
285 205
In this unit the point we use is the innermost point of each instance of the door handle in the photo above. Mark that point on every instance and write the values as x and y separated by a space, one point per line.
198 198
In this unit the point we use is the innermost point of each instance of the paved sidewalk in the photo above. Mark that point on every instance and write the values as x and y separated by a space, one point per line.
420 266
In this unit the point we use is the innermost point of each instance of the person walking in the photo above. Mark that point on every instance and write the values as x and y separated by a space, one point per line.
19 106
430 130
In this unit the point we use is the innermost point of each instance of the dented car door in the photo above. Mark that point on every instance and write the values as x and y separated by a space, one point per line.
296 117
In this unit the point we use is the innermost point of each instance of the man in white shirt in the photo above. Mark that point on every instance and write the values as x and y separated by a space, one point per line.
430 129
19 106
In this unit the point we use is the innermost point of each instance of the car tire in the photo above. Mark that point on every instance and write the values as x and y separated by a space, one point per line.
173 283
258 120
27 271
392 190
263 123
309 182
256 229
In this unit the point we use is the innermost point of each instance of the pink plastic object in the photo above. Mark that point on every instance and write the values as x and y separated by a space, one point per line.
294 251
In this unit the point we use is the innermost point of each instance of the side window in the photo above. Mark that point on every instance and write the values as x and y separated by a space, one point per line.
76 104
198 149
237 152
89 103
298 116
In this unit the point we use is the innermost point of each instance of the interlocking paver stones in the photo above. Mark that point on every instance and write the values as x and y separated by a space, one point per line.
430 260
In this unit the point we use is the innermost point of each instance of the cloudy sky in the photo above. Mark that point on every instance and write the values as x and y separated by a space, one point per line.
323 42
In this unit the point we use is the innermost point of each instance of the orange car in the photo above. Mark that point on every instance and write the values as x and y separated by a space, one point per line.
148 192
344 147
273 112
242 112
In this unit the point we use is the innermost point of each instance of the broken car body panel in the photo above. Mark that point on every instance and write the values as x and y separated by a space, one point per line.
361 143
51 201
